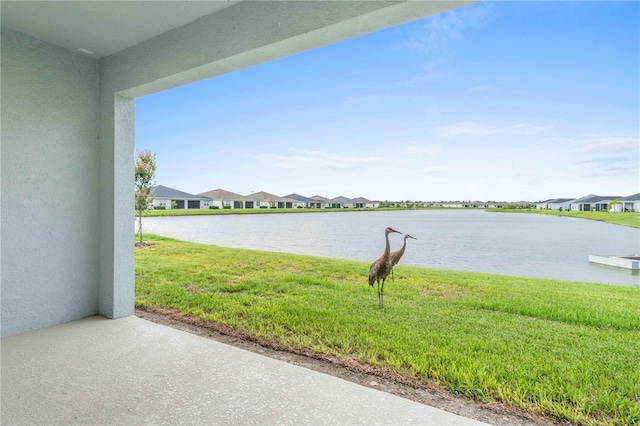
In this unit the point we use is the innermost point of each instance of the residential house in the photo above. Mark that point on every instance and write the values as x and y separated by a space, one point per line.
555 204
324 202
560 204
305 201
479 204
274 201
342 203
169 198
593 203
543 205
224 199
364 203
627 204
453 204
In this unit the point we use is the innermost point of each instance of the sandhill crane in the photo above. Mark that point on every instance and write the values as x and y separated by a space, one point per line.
380 269
395 256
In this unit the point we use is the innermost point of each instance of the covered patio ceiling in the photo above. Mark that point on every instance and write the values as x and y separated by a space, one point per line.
103 27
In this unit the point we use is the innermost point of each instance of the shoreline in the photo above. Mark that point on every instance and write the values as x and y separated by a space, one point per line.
627 219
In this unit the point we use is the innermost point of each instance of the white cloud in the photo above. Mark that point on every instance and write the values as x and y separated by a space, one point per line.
435 169
425 149
307 160
479 129
427 77
432 39
483 88
610 156
615 145
352 100
432 36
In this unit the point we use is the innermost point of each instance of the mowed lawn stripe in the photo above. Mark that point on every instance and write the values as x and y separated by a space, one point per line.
563 349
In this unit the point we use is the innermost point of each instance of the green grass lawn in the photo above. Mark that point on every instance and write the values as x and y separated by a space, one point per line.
625 219
562 349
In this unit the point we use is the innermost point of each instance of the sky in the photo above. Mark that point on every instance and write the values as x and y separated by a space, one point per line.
497 101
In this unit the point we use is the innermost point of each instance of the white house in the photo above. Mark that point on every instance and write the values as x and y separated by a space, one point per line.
342 203
555 204
169 198
362 202
543 205
627 204
593 203
275 201
303 201
325 203
453 204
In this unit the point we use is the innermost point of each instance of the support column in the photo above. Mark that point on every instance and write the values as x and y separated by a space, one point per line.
116 265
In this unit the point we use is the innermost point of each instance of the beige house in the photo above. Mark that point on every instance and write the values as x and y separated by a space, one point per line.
267 200
324 202
224 199
362 202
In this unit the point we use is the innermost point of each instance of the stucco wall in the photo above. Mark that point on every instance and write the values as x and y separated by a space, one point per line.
49 184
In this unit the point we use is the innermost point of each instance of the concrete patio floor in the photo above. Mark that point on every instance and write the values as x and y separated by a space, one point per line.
132 371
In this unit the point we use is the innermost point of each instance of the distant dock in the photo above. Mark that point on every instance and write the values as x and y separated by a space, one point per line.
628 262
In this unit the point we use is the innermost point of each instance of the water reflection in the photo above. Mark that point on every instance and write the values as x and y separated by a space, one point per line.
509 244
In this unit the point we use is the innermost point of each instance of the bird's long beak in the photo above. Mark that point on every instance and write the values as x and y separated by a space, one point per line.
397 232
409 236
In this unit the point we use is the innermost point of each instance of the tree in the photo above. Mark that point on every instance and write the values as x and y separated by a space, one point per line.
612 204
144 180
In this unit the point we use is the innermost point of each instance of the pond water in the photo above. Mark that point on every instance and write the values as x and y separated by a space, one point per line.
528 245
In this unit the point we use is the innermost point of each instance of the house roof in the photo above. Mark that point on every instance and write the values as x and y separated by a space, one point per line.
634 197
221 194
559 200
160 191
320 198
362 200
265 196
342 200
299 197
591 198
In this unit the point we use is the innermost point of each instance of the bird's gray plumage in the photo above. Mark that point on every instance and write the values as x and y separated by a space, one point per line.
380 269
395 256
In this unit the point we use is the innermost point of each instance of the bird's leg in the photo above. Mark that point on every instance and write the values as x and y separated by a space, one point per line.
394 280
382 295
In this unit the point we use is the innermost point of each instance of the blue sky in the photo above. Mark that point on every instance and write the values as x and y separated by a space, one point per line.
495 101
